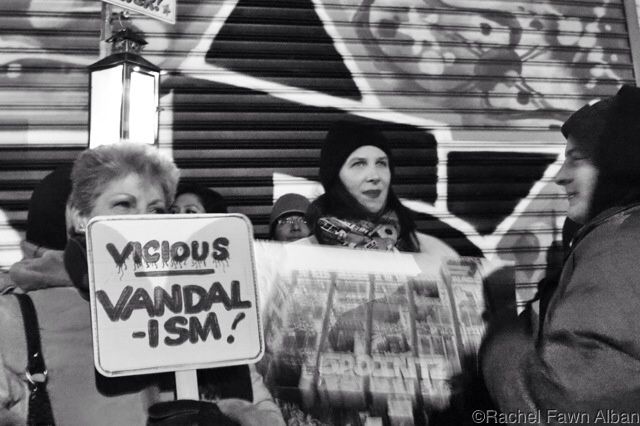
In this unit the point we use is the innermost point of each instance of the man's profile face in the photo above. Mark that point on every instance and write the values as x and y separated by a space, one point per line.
578 176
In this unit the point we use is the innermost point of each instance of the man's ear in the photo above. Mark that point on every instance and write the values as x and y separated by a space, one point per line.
78 221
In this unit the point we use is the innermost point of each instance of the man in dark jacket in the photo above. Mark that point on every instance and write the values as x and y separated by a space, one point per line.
581 357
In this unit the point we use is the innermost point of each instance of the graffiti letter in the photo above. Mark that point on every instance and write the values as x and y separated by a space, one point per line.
176 256
197 331
194 250
139 300
236 302
162 299
114 312
172 326
148 257
220 251
137 253
153 333
119 258
166 255
191 307
217 294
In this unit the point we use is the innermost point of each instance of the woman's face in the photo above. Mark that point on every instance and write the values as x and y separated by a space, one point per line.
187 203
366 175
131 194
578 175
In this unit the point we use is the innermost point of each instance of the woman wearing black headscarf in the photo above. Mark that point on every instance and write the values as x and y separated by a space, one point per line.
359 208
195 198
581 354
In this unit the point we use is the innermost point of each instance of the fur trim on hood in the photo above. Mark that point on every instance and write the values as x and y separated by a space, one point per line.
41 268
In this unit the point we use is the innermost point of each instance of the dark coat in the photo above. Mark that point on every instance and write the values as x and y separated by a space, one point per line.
586 357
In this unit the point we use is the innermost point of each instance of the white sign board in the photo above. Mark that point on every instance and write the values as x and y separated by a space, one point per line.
164 10
172 292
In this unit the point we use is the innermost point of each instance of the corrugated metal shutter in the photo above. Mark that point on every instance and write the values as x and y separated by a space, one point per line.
470 93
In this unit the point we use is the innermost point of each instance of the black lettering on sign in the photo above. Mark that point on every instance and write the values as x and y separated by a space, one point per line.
239 317
148 256
177 252
166 253
153 333
188 299
200 332
180 252
191 306
220 249
199 257
114 312
139 300
236 301
175 325
179 332
137 254
120 257
217 294
161 299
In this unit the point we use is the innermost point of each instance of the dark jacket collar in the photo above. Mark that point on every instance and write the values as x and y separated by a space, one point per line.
600 219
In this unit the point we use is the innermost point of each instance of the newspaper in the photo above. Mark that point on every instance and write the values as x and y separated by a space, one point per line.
358 337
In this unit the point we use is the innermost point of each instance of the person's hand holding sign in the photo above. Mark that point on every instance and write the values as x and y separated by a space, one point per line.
248 414
187 412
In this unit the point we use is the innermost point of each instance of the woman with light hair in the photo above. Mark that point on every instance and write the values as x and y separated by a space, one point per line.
120 179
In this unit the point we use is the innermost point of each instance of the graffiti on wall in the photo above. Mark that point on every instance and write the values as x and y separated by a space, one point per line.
513 49
434 68
412 61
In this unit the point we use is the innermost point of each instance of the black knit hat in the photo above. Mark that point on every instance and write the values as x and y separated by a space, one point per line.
343 138
211 200
587 124
46 224
609 128
609 131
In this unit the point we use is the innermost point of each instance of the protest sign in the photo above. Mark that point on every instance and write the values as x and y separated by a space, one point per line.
164 10
356 336
172 292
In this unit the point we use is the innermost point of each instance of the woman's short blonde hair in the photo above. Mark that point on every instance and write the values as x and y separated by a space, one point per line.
96 167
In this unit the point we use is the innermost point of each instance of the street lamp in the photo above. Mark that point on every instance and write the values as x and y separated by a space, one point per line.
124 94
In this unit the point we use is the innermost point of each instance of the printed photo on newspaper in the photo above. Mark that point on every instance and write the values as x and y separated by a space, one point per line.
366 337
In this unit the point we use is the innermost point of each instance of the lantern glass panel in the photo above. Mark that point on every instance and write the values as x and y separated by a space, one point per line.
142 120
106 105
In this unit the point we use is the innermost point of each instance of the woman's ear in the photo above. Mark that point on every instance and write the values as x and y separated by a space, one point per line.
78 220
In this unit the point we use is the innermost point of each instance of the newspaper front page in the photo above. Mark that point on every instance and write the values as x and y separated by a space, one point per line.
357 337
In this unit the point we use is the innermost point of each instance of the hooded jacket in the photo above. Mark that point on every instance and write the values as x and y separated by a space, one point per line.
584 355
581 355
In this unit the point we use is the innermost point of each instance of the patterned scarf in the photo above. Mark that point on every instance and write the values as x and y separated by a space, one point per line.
381 235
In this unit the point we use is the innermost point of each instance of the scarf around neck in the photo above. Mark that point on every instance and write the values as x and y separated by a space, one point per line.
383 234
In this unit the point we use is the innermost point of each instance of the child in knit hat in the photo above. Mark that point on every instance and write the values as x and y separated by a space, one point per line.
288 221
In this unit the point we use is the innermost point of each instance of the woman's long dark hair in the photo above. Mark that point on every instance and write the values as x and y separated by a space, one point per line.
212 201
338 202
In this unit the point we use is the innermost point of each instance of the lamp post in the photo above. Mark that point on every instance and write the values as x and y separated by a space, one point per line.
123 94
